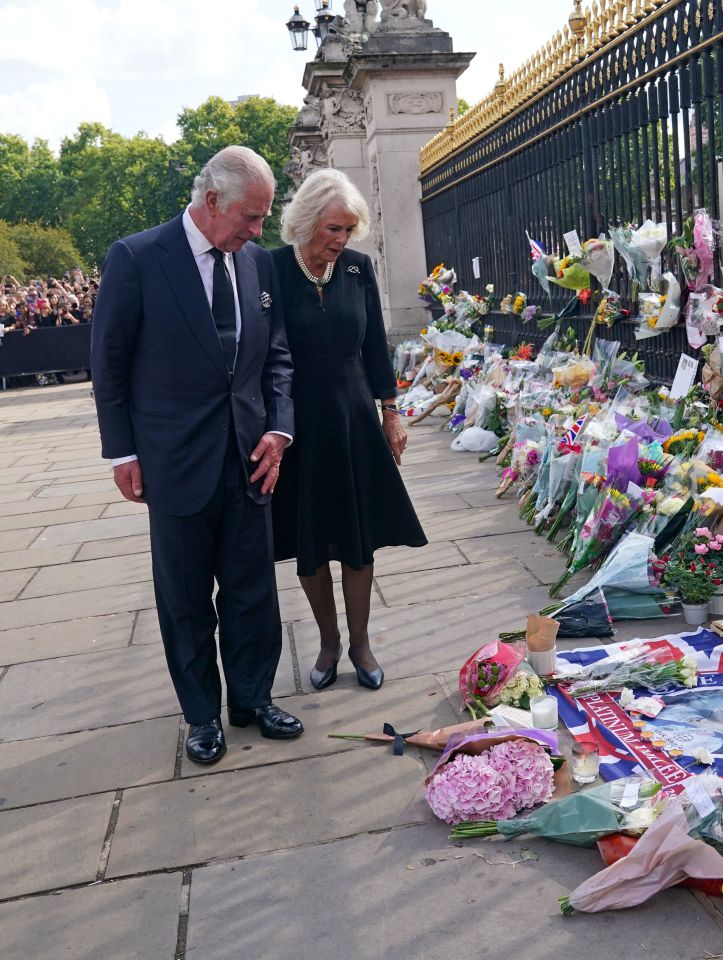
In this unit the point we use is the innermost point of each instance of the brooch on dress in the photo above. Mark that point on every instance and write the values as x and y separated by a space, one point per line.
266 300
353 269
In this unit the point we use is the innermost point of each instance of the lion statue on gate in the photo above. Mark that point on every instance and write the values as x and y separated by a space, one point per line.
399 9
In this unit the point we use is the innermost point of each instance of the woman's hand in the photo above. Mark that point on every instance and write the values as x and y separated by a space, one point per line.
395 433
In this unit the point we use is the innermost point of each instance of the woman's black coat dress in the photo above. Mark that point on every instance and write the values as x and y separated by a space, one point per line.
340 495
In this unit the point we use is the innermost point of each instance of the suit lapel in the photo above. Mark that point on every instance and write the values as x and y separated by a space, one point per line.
180 268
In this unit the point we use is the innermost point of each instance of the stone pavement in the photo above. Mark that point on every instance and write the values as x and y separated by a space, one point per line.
113 846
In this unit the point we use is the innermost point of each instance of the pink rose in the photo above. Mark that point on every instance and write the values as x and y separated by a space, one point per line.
703 532
700 549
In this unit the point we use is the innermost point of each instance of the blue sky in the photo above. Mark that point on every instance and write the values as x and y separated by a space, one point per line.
134 64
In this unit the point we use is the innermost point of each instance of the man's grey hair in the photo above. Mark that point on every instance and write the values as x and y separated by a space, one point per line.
300 219
230 173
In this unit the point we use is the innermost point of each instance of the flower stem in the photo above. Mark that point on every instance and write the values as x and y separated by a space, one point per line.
565 908
345 736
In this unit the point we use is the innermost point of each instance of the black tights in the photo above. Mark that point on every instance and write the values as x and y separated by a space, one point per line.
357 588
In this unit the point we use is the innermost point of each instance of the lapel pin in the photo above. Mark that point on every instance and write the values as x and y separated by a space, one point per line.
266 300
353 269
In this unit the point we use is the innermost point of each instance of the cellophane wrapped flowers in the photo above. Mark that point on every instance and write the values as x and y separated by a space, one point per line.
512 776
485 673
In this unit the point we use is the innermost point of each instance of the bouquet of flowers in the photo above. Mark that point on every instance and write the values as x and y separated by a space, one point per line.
485 673
437 288
608 518
640 249
683 443
579 819
511 776
667 854
658 312
524 685
655 670
695 248
573 271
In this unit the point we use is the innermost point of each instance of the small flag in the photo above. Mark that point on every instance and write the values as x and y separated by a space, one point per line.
535 248
568 440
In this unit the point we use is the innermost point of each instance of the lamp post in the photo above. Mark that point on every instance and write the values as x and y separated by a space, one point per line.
298 29
298 26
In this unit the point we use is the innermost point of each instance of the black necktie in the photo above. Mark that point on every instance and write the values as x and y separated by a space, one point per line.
223 307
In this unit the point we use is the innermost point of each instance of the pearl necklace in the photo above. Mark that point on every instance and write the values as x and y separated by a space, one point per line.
318 282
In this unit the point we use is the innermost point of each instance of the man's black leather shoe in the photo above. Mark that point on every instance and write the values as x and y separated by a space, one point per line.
273 722
205 742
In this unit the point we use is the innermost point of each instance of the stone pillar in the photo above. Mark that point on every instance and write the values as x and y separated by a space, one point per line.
406 73
377 92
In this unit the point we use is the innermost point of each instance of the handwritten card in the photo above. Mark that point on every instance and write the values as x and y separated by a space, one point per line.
684 377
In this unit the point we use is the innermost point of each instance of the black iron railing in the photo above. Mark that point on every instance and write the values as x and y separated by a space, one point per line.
621 123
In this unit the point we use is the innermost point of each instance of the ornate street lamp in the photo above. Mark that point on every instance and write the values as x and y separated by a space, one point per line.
323 18
298 29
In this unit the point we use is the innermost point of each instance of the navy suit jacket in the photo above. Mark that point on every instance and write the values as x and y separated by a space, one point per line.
160 379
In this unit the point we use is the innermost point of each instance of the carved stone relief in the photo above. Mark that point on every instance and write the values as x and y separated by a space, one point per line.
415 103
342 111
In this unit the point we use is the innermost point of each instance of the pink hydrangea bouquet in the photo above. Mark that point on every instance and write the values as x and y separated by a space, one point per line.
493 785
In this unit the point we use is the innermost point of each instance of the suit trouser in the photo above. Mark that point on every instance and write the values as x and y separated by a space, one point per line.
229 541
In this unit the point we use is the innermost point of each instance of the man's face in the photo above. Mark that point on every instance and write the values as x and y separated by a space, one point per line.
229 230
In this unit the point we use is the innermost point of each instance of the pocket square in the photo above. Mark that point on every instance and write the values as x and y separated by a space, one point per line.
266 300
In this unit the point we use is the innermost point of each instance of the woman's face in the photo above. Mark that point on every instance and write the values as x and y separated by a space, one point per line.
332 233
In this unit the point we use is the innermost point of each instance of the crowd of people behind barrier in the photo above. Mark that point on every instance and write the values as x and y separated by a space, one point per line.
46 303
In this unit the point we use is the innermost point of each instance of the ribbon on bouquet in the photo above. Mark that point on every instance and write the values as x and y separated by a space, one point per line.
399 738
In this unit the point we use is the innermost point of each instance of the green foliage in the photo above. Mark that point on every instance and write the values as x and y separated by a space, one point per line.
462 106
46 251
11 262
103 186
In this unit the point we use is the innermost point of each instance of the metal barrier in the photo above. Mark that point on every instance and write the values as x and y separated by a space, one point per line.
47 350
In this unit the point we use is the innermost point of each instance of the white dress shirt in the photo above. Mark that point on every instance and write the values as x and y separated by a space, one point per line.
201 250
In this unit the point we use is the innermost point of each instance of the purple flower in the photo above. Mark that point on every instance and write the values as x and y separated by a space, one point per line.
529 313
469 788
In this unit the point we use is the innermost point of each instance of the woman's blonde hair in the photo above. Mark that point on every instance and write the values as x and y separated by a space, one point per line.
300 219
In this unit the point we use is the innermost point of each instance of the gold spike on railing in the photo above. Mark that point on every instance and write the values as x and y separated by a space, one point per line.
582 36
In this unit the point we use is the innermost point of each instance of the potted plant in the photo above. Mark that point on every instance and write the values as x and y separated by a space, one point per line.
694 582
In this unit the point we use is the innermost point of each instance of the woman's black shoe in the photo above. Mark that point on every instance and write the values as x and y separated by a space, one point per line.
321 680
371 679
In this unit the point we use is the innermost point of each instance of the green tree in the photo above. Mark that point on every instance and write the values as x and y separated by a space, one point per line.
14 166
462 106
114 186
11 261
47 251
39 192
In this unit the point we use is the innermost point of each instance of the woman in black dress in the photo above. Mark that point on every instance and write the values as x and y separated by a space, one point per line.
339 496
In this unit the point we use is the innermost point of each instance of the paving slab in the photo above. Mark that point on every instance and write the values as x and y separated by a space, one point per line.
85 692
474 523
18 539
13 581
116 547
410 895
67 606
474 579
129 920
92 530
92 761
101 497
87 635
443 553
91 574
53 845
71 474
413 704
17 507
238 813
82 486
536 554
125 508
46 518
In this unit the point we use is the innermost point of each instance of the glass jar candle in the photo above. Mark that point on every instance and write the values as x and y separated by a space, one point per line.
585 761
544 712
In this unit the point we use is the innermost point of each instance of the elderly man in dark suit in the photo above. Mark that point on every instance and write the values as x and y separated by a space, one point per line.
192 381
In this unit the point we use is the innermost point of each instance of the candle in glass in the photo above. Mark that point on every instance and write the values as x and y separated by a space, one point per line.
544 712
585 761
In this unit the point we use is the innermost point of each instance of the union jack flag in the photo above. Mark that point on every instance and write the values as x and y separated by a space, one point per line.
535 248
568 440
